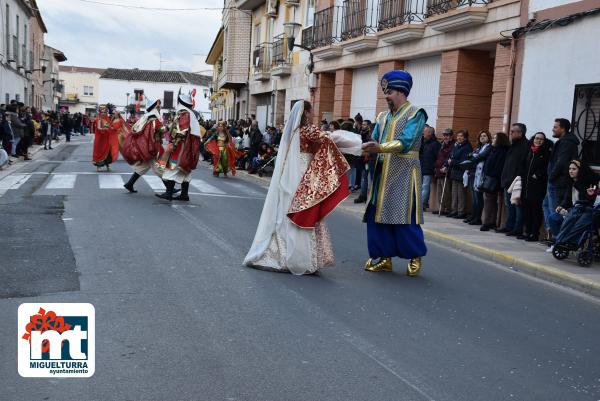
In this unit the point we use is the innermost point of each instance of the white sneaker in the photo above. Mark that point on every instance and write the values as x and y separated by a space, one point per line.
549 250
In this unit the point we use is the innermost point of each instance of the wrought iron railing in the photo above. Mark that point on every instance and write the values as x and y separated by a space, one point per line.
393 13
308 40
327 26
586 121
443 6
261 58
359 18
280 50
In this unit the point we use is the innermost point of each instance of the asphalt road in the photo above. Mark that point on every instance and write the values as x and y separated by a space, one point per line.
179 318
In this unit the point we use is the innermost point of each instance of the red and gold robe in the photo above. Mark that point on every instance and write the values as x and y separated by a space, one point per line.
106 141
186 154
145 145
324 185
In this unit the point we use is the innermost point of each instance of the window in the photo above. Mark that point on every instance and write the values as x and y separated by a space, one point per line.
88 91
310 13
18 97
168 100
7 31
7 97
257 34
138 94
586 121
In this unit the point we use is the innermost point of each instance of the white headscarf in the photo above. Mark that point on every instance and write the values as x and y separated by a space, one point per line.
139 124
293 242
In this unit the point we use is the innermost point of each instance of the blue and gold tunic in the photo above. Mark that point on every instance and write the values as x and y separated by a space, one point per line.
394 210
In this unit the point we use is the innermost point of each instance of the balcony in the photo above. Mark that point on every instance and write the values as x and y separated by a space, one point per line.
281 66
451 15
261 61
401 21
308 39
359 25
327 32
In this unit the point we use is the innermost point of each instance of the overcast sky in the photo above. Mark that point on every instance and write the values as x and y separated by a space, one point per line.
93 35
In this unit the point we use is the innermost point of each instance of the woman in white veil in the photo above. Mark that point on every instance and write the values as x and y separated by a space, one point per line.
309 181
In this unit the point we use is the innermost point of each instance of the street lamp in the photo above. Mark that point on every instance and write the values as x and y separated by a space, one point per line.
43 67
292 29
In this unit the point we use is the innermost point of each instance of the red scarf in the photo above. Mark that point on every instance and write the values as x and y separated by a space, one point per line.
534 148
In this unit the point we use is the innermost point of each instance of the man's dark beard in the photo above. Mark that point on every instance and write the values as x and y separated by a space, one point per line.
390 104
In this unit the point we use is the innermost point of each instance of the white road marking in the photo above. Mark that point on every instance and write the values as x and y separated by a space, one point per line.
244 188
110 181
13 181
62 181
204 186
155 182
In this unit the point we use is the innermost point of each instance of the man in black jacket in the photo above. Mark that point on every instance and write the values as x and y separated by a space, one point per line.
430 148
566 149
515 156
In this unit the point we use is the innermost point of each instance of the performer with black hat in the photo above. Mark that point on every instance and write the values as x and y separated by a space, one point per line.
394 210
184 149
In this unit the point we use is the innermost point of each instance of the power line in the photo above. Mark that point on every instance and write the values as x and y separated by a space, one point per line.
104 3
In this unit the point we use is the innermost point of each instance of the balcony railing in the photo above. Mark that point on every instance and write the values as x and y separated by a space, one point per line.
393 13
436 7
327 26
359 18
261 58
280 50
308 39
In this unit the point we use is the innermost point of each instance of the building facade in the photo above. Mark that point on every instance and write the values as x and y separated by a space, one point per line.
80 88
53 86
558 70
122 87
16 46
278 77
36 54
230 57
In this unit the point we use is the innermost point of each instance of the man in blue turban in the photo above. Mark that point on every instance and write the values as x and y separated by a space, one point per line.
394 211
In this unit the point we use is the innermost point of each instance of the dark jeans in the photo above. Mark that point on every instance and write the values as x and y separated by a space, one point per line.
514 222
533 216
477 198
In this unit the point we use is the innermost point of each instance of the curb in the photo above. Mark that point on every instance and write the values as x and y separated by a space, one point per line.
537 270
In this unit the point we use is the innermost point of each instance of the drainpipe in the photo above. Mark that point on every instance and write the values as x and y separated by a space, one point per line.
510 81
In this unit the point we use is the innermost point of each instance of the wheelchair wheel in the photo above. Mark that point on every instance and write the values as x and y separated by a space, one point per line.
585 258
560 252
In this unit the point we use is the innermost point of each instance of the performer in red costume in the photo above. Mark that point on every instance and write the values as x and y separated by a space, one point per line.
223 150
184 150
106 142
144 145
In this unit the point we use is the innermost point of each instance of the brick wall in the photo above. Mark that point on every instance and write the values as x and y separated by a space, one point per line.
465 91
322 99
501 72
342 93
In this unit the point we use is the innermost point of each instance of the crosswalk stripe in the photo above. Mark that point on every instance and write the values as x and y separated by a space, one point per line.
110 181
244 188
154 182
13 181
62 181
204 186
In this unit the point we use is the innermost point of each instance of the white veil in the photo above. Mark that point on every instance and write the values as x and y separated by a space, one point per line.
293 243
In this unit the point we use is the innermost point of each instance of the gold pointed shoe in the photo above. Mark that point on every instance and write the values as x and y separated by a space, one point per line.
384 265
414 267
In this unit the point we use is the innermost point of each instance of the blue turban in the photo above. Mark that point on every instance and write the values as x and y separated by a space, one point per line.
399 80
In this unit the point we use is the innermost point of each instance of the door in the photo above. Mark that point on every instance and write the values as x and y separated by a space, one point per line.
426 85
365 84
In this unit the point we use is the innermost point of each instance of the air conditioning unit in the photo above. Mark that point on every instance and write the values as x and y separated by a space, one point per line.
272 7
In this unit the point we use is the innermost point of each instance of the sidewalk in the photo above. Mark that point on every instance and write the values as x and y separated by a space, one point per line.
34 153
521 256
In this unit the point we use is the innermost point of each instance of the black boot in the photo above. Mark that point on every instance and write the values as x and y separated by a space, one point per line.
175 190
132 180
168 194
185 186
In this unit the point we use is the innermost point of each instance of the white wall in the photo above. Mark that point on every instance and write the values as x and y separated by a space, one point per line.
114 91
365 84
554 62
537 5
426 85
75 81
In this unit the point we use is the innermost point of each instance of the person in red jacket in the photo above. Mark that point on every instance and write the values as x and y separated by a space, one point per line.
441 172
184 150
144 145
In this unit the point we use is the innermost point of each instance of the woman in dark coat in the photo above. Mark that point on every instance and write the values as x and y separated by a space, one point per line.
460 153
534 181
493 169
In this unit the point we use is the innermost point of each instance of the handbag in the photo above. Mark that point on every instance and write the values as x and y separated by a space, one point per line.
489 184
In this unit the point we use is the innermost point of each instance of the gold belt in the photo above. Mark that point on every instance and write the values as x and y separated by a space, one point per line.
413 154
